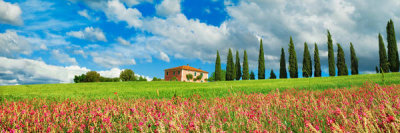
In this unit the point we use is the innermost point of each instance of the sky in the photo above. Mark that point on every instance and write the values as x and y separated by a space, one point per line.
46 41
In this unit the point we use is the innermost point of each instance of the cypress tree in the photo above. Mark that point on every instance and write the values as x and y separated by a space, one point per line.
282 71
238 67
272 75
354 60
341 63
393 55
229 66
331 56
252 76
383 63
261 65
307 65
317 64
376 69
218 68
245 67
292 60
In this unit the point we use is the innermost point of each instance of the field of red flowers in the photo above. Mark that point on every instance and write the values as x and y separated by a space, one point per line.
370 108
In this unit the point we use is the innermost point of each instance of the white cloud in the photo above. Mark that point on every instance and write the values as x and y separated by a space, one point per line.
10 13
89 33
84 13
12 45
169 7
109 59
27 71
164 57
123 41
112 73
80 52
63 57
116 12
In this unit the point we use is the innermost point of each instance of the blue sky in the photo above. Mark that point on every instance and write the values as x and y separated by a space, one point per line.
47 41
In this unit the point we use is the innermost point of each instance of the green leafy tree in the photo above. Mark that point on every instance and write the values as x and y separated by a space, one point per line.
317 64
252 76
246 75
92 76
141 78
393 55
293 68
229 67
383 62
307 65
354 60
127 75
218 68
282 70
341 63
272 75
331 56
80 78
261 62
238 67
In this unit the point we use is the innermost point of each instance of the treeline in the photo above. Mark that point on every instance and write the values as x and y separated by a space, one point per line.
125 75
234 71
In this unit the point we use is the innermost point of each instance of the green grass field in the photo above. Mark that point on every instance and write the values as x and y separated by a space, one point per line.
168 89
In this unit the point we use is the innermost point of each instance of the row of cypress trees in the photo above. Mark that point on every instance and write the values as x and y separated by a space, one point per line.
389 62
234 71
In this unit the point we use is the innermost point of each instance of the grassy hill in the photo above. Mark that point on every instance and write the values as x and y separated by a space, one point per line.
183 89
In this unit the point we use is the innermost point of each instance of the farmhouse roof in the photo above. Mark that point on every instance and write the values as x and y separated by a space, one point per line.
186 68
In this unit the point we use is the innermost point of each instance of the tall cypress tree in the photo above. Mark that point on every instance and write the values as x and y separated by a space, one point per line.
331 56
245 67
261 65
238 67
272 75
252 76
383 63
376 69
393 55
292 60
341 63
218 75
317 64
282 71
229 67
354 60
307 65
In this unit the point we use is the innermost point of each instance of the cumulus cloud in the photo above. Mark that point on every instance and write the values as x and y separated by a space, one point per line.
10 13
89 33
116 12
169 7
12 44
63 57
27 71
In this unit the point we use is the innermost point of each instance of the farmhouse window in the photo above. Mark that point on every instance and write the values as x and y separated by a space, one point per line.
195 73
167 73
173 73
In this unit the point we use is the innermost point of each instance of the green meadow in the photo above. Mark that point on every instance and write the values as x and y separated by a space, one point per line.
166 89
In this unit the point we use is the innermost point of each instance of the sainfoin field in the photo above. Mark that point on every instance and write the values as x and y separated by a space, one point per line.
369 107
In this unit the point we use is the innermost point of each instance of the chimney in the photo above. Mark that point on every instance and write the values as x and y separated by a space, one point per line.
187 64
